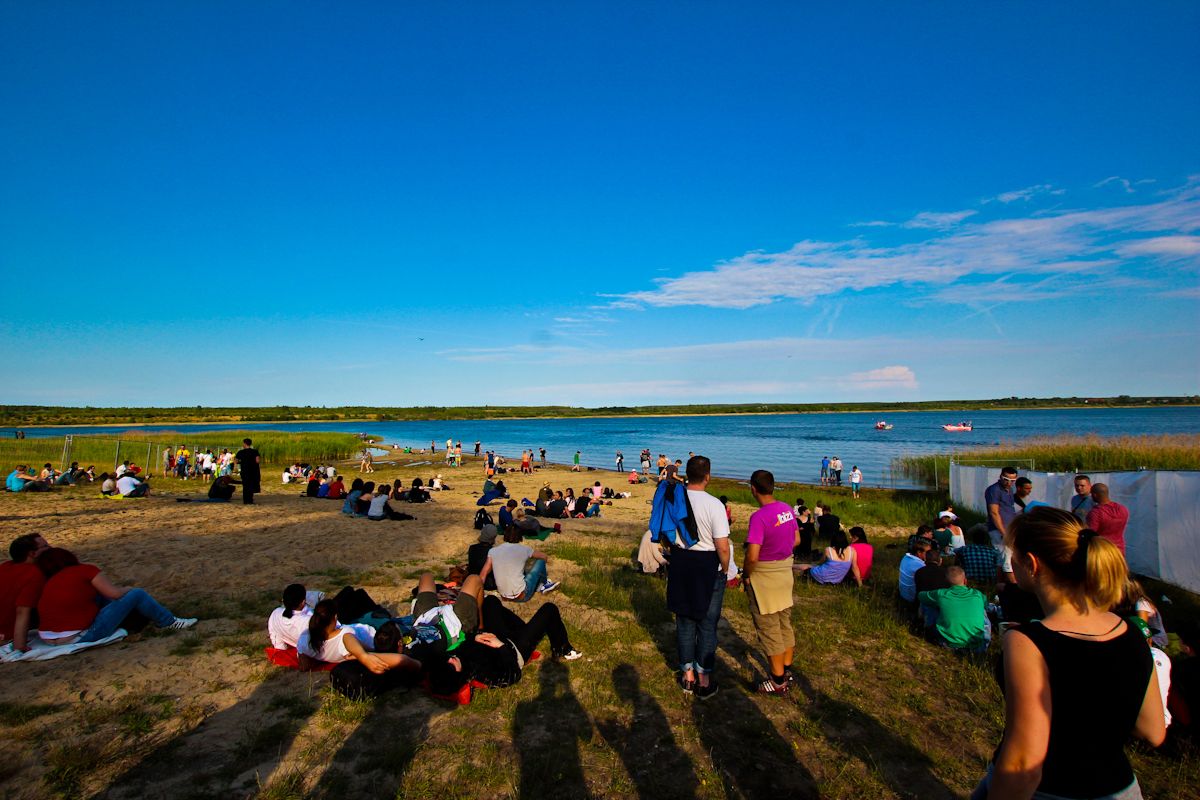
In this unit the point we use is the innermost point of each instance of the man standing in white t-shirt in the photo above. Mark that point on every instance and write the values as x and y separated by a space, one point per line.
696 582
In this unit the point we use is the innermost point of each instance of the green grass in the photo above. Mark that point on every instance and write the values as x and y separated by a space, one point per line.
276 447
875 507
1072 453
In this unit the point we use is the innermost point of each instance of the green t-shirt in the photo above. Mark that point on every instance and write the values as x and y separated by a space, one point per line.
943 536
961 617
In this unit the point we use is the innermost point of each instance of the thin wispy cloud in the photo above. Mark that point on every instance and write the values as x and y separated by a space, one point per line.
1028 193
1096 241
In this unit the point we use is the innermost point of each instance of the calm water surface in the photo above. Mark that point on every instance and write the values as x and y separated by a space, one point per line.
790 445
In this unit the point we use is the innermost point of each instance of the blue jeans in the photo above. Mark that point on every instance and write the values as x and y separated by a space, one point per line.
533 579
592 511
114 612
697 638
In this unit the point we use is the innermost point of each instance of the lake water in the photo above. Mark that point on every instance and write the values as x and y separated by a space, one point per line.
790 445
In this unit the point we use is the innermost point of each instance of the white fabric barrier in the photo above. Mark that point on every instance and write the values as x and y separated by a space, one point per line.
1164 513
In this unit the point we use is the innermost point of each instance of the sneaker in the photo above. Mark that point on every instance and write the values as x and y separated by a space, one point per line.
183 622
549 586
571 655
790 674
558 527
688 686
705 692
769 686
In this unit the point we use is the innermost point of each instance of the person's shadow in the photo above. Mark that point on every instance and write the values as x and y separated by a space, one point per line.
647 747
546 732
857 734
729 720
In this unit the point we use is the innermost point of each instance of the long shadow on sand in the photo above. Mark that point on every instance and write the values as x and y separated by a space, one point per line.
747 751
647 746
547 731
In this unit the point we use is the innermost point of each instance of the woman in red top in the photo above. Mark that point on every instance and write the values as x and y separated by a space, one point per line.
79 604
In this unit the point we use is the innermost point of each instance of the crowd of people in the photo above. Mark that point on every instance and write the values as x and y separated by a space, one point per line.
1052 585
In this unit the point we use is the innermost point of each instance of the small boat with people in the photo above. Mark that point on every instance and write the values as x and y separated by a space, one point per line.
962 426
883 426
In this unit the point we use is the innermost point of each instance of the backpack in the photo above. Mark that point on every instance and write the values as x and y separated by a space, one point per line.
482 517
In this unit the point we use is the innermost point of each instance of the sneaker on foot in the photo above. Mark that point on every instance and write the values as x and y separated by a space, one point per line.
769 686
183 622
705 692
571 655
558 527
549 586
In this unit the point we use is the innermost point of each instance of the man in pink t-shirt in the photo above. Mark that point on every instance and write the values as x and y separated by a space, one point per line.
1108 518
767 576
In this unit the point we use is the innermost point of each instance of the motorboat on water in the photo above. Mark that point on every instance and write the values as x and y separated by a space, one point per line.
883 426
962 426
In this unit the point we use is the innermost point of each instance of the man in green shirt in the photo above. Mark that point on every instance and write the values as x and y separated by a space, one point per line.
962 622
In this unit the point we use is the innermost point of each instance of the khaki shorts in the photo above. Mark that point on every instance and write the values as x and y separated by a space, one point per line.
775 633
465 608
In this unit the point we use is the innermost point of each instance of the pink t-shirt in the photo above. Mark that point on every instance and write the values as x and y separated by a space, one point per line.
864 554
774 527
1109 520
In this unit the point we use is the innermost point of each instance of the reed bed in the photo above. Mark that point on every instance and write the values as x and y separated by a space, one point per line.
276 447
1072 453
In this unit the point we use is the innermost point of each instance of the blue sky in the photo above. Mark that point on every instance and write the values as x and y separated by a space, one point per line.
597 203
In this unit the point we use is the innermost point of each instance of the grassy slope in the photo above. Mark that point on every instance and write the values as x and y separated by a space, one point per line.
879 712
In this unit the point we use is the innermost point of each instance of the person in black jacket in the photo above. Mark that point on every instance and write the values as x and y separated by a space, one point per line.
249 465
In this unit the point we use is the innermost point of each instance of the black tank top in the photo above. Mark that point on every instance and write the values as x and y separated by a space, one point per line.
1096 693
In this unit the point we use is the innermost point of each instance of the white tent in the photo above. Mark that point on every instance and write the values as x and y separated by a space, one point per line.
1162 539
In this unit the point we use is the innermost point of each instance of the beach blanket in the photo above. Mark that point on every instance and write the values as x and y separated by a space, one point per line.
40 651
288 657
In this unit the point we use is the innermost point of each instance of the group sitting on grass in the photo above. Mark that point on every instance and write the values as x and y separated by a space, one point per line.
451 638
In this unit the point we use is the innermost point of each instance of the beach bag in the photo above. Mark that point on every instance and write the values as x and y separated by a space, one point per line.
482 517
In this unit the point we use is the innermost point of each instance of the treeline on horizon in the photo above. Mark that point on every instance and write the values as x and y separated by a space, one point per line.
16 415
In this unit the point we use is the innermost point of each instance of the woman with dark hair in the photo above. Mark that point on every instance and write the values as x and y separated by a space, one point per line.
290 620
864 553
351 502
840 560
79 604
808 530
1078 681
363 504
418 493
326 640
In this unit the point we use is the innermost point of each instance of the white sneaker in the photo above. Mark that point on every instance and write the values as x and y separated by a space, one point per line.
571 656
183 622
549 586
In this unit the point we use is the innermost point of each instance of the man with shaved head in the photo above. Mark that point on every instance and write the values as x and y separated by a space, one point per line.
1108 518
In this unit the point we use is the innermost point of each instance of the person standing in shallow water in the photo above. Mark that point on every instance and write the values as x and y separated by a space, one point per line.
249 465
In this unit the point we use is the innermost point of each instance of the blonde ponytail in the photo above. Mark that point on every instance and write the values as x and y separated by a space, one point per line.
1087 568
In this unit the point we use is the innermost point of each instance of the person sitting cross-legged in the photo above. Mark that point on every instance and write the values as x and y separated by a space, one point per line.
508 562
961 618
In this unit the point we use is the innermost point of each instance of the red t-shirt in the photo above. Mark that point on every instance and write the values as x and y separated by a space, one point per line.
1109 520
335 491
69 600
20 585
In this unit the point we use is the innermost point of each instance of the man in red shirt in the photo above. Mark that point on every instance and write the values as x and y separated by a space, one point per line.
1108 518
21 585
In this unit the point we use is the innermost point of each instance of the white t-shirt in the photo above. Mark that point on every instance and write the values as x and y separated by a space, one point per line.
856 476
126 484
333 650
376 507
711 522
508 565
286 631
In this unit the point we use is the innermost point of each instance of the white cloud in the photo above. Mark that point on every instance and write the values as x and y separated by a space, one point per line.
894 377
1028 193
938 220
1165 246
1124 183
1060 242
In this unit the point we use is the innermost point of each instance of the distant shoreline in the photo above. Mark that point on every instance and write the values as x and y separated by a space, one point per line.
872 412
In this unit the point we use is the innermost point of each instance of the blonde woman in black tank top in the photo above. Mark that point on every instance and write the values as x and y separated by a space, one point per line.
1077 682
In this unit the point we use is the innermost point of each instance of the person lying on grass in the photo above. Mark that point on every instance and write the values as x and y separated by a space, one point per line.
80 604
324 639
